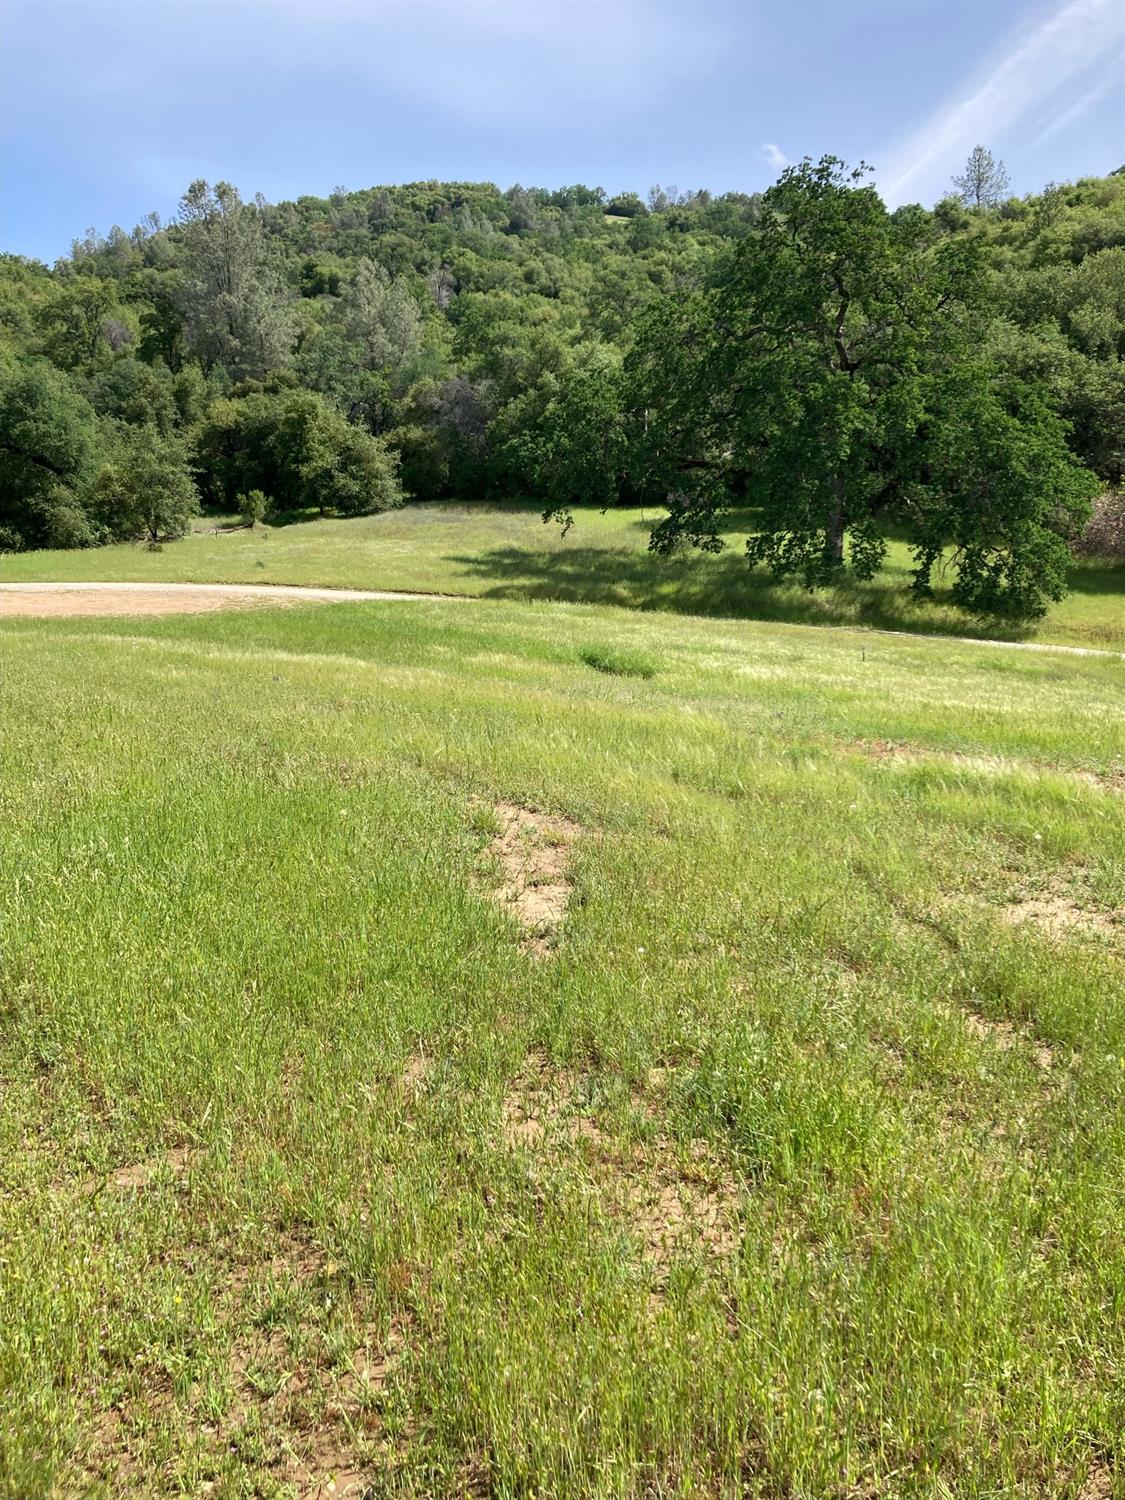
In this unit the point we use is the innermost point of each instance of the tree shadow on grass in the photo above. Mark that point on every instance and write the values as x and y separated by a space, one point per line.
705 584
1098 578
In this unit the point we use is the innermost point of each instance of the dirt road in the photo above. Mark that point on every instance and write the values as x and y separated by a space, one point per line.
42 600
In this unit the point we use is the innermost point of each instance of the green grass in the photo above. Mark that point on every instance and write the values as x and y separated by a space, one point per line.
505 552
823 1192
618 663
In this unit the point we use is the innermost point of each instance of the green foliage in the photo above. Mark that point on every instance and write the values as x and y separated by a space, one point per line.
983 183
575 448
139 394
531 343
293 445
230 295
146 492
382 318
50 445
832 374
627 206
253 507
83 323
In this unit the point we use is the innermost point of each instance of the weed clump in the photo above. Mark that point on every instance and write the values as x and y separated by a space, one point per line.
618 663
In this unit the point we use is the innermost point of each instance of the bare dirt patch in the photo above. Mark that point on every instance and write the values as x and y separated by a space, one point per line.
673 1197
533 850
1098 1484
1007 1036
142 1174
65 603
295 1400
904 753
1060 916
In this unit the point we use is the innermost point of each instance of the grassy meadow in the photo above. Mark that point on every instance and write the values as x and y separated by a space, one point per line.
506 552
790 1166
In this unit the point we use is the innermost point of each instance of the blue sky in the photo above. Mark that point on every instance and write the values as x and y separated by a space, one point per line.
108 108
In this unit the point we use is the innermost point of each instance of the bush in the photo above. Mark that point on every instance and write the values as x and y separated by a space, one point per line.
295 447
423 463
62 520
253 507
1104 533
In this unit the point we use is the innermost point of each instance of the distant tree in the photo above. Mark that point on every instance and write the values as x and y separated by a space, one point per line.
146 491
161 317
442 286
984 182
253 507
135 392
50 445
522 211
294 446
79 321
443 439
576 450
1104 534
626 206
230 295
835 374
1049 205
382 317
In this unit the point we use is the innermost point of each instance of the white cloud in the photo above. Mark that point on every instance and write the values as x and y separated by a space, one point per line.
1056 66
773 156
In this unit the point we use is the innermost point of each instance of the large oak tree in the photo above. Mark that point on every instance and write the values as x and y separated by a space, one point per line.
834 376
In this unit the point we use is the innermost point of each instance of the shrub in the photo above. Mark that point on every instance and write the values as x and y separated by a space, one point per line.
423 463
253 507
50 445
294 446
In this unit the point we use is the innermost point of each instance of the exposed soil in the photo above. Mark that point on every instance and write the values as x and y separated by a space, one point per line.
1060 915
140 1174
904 753
533 852
54 600
1098 1484
1006 1036
672 1197
307 1413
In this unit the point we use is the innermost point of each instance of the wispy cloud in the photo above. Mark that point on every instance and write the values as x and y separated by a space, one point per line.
773 156
1074 109
1058 65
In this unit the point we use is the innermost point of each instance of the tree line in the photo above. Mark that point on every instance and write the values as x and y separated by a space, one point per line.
953 375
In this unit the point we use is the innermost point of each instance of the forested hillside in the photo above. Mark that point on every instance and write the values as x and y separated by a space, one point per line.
957 374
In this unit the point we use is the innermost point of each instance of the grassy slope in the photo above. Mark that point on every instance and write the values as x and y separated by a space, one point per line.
507 553
802 1221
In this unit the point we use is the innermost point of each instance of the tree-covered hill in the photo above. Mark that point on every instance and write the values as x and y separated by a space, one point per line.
436 339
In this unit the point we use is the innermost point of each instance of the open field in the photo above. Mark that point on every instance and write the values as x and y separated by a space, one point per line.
506 552
508 1049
